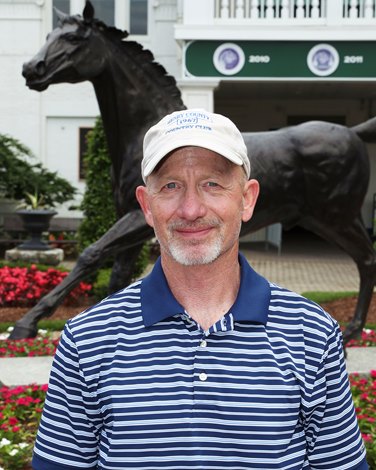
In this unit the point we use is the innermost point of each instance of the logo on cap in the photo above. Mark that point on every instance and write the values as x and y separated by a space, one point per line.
228 58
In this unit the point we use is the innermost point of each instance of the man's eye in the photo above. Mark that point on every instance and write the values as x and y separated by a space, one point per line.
170 186
211 184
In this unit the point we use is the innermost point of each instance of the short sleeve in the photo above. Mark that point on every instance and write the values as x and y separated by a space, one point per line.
69 430
330 423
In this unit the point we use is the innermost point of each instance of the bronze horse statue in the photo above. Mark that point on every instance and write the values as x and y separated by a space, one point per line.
314 175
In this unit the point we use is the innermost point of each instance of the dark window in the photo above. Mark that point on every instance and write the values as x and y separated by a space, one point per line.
63 6
104 11
138 17
82 150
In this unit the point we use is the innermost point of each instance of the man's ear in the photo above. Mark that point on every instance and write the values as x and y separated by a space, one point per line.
143 199
250 195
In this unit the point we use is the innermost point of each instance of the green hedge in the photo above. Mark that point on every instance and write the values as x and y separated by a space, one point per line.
98 202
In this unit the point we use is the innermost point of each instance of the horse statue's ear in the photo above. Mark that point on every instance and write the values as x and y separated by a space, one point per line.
60 15
88 12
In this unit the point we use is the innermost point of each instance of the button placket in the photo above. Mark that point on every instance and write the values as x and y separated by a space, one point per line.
201 374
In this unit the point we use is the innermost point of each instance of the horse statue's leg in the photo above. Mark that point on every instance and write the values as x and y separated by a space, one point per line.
123 268
366 264
130 232
355 241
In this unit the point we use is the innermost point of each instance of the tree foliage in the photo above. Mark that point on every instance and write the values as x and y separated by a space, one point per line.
98 204
20 176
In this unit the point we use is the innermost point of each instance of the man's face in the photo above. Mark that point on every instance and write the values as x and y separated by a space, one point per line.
196 201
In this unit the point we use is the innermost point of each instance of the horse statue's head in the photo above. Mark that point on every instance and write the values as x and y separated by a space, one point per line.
70 53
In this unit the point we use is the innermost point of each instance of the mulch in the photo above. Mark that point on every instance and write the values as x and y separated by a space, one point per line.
342 310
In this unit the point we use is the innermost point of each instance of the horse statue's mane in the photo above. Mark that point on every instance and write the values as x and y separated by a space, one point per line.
157 80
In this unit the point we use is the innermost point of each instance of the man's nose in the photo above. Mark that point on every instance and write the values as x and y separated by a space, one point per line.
192 205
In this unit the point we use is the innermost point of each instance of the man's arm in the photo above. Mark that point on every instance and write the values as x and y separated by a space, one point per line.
68 433
331 427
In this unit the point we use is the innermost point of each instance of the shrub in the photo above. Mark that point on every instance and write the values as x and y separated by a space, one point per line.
101 284
98 202
18 176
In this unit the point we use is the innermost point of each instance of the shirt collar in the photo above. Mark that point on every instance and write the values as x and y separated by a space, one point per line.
251 304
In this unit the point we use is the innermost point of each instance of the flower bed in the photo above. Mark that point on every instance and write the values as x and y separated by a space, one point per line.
20 412
44 344
23 287
364 395
368 338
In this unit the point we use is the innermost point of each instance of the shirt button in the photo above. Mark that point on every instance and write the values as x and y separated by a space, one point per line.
203 343
203 376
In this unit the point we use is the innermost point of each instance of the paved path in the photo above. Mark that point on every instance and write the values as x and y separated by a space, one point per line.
302 272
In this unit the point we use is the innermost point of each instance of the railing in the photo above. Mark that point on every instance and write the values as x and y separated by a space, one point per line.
294 9
359 9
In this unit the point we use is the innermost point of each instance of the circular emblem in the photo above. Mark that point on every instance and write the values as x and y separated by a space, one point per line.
228 58
323 60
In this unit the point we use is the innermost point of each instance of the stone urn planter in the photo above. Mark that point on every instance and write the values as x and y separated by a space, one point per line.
35 222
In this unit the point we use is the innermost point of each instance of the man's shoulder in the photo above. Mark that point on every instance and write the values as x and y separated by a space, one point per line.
119 306
290 307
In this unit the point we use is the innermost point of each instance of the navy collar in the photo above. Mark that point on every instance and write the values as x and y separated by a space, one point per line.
251 304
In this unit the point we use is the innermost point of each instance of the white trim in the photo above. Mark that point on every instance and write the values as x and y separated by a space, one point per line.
237 32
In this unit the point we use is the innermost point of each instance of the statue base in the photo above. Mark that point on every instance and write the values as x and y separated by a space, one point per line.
51 257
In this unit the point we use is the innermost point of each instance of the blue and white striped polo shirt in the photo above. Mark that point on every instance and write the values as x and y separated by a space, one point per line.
137 384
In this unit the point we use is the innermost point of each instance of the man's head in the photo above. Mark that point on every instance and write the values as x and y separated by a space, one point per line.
195 196
194 127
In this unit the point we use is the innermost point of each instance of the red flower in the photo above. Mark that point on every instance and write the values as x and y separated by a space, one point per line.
367 437
23 286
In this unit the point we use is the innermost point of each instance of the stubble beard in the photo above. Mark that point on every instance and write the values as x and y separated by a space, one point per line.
195 252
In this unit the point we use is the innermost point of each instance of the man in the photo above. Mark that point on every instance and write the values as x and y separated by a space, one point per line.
203 364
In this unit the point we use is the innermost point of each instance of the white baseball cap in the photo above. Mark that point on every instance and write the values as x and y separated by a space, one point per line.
198 128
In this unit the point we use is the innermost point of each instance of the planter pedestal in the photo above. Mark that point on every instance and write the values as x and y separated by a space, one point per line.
51 257
35 222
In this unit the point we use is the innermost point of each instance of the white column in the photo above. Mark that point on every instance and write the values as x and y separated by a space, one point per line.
239 11
315 12
225 9
353 9
270 9
334 13
122 14
254 9
76 7
285 11
198 94
368 9
300 9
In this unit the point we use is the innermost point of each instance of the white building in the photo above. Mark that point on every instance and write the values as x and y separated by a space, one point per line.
264 63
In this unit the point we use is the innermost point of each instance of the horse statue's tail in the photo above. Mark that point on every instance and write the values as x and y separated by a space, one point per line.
366 130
